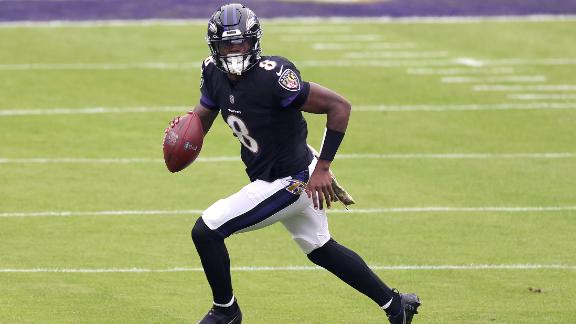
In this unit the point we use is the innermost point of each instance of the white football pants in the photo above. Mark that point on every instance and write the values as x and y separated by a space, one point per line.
262 203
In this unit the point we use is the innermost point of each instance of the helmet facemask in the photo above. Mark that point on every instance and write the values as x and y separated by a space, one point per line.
235 54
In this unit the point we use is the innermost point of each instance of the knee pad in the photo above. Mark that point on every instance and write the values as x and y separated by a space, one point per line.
201 233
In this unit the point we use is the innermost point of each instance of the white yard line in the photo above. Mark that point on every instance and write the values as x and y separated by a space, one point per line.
110 160
402 59
302 268
469 62
100 66
517 88
309 29
460 71
544 96
435 63
494 79
356 108
333 38
468 107
393 210
92 110
281 21
389 156
358 46
394 54
102 213
401 156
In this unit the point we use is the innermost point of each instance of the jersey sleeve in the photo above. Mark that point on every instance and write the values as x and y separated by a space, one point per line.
206 94
291 91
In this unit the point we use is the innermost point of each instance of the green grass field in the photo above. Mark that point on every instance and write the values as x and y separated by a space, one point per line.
415 143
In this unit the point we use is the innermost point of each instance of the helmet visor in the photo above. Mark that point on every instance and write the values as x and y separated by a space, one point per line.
232 47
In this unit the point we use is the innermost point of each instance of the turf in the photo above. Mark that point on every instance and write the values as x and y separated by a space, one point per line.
410 238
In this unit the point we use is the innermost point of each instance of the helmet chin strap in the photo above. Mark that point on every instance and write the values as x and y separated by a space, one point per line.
236 64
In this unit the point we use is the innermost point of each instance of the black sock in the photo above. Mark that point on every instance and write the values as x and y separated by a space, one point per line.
215 261
227 310
350 268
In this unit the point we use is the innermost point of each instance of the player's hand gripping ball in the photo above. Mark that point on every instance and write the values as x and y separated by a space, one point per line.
182 142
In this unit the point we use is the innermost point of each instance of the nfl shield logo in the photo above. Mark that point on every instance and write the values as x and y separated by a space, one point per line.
232 99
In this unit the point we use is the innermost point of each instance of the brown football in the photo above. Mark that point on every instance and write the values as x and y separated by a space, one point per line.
183 142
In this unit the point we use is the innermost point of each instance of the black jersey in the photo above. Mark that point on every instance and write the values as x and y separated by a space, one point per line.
262 109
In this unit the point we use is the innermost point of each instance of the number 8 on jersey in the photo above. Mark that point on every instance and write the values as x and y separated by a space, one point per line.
239 128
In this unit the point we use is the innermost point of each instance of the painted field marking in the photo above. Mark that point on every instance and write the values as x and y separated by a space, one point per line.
314 29
517 88
356 46
544 96
469 62
103 213
100 66
392 210
356 108
110 160
309 29
434 63
302 268
92 110
460 71
468 107
394 54
281 21
494 79
365 156
178 66
333 38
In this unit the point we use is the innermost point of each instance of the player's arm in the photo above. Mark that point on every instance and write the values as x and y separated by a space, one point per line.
206 115
322 100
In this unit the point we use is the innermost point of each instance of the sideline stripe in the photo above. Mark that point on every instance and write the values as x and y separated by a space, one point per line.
433 209
390 156
305 268
310 20
357 108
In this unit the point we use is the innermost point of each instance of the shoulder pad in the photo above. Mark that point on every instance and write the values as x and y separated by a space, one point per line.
281 60
207 62
281 72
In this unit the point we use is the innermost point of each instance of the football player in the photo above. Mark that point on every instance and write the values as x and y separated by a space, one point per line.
262 98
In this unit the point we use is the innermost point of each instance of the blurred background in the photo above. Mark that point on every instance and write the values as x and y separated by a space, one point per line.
32 10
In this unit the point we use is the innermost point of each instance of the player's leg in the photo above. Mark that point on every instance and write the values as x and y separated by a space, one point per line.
256 205
351 268
310 230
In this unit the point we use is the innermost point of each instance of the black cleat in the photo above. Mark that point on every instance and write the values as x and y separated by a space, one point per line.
216 316
410 304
